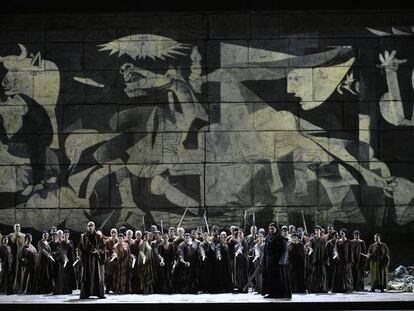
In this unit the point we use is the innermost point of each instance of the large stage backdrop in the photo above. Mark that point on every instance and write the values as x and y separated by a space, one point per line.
130 118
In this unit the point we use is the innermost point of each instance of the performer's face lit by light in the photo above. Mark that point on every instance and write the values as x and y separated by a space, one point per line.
66 235
188 239
317 232
17 228
223 236
272 229
356 236
91 227
295 239
129 234
114 233
45 235
165 237
180 232
171 232
138 235
377 238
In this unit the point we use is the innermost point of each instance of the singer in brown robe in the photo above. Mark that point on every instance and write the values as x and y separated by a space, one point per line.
135 276
359 250
28 258
379 259
342 280
275 265
146 266
121 257
6 276
92 255
16 243
109 265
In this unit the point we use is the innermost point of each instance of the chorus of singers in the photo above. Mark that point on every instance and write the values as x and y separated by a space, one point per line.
273 263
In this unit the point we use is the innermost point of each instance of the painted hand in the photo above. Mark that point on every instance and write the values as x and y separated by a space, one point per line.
389 62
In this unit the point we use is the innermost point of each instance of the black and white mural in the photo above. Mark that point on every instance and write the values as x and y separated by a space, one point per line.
134 126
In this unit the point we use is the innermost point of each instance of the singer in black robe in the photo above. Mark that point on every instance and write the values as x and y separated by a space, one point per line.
92 255
6 275
241 262
318 261
44 267
224 283
69 277
207 275
166 263
186 269
275 265
297 265
331 267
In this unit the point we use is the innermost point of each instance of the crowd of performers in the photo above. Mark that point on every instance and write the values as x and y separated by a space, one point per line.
273 263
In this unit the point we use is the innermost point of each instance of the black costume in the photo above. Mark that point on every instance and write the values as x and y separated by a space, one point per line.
275 271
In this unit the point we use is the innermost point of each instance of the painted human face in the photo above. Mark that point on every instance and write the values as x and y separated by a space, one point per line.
300 83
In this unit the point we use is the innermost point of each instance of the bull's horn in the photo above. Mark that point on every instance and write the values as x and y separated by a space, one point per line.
23 53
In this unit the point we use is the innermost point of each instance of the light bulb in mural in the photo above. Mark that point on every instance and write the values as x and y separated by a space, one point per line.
142 46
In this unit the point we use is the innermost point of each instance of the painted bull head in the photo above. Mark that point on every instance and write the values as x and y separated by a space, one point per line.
34 77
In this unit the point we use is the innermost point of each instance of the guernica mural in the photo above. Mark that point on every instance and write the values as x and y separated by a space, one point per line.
141 127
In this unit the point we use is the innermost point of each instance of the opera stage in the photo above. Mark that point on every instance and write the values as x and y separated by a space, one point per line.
390 300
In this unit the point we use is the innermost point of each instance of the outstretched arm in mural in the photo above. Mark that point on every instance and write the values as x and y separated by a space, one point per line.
391 104
336 148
